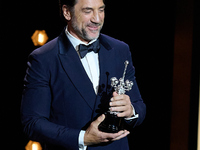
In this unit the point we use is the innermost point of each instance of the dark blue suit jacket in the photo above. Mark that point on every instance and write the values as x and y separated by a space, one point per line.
59 100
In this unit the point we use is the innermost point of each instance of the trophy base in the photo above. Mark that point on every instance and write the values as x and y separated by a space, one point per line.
111 124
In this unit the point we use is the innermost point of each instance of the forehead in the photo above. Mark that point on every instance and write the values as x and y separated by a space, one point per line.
90 3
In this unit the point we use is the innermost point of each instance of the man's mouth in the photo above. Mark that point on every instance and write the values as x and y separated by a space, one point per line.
93 27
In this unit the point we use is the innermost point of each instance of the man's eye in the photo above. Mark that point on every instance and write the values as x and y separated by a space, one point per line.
101 10
87 11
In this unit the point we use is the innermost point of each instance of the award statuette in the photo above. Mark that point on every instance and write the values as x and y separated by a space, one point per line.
112 123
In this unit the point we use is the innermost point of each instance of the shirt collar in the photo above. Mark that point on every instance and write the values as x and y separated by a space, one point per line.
76 42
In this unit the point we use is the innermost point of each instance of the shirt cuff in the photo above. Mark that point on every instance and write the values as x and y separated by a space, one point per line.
81 140
134 115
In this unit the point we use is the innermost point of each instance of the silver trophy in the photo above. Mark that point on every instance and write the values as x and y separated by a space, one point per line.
123 86
112 123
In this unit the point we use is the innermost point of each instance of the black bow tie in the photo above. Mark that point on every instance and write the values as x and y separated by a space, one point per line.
84 49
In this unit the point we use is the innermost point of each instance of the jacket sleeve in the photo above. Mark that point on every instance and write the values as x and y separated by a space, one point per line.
35 108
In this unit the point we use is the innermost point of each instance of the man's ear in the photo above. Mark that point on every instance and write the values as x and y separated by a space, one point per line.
66 12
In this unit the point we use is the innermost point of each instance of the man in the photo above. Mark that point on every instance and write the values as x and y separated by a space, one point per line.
66 89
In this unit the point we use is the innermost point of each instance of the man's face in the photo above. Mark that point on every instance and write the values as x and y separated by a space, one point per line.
87 19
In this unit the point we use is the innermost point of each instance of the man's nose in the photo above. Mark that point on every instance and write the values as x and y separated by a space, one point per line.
96 17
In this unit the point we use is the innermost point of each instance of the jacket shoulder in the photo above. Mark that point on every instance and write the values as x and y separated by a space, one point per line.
50 47
114 42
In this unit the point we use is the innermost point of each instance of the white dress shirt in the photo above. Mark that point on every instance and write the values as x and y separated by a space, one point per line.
91 65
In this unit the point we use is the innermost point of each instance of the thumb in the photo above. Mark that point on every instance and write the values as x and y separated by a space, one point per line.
99 119
115 94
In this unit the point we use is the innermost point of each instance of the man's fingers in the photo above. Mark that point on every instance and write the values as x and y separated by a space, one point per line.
124 134
114 136
120 100
117 97
118 103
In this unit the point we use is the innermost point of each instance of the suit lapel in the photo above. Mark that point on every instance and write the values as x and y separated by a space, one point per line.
106 60
75 70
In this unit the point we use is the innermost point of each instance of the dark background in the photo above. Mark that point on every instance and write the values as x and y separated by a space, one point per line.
147 26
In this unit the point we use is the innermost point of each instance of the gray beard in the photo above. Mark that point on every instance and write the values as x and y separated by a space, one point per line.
82 32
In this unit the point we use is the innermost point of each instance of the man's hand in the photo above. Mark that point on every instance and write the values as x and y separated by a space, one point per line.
122 104
94 136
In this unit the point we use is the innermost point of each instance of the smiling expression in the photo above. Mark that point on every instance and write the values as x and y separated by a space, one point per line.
86 19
